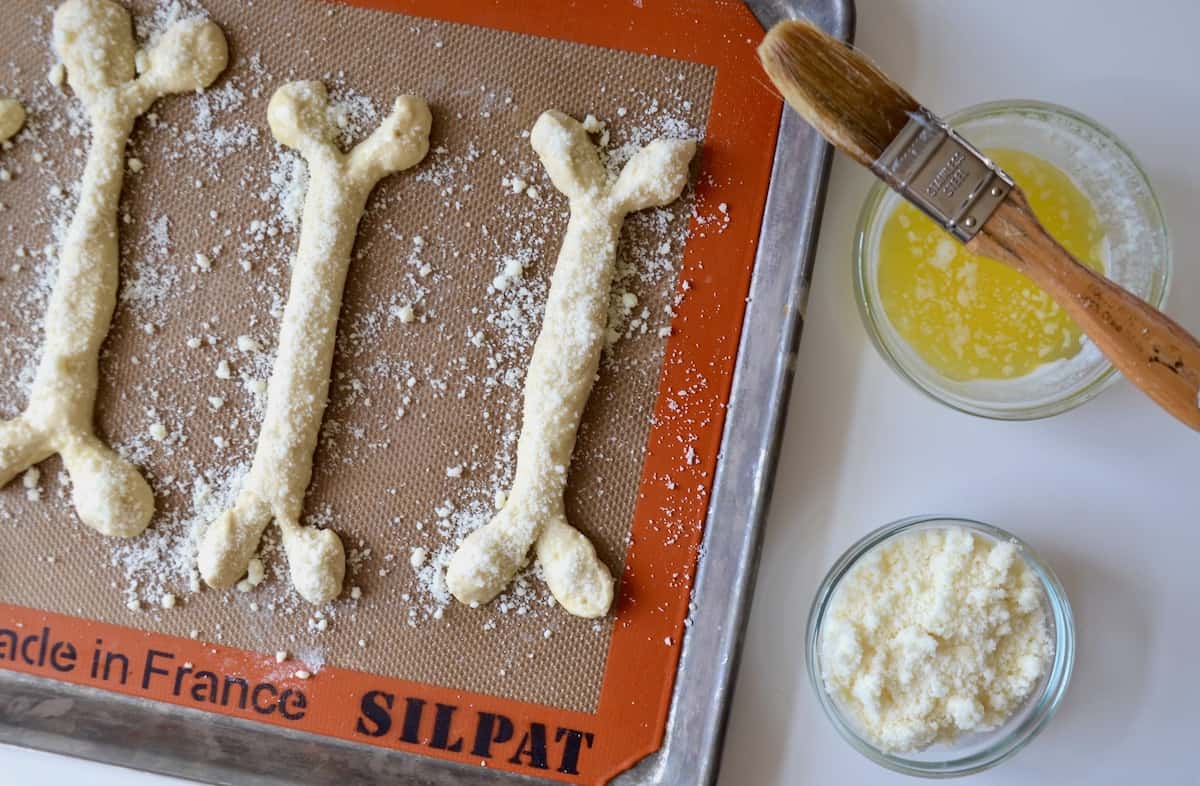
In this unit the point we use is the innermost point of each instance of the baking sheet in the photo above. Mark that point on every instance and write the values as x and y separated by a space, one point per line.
693 730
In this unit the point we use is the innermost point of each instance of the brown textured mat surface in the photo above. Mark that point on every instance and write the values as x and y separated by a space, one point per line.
210 185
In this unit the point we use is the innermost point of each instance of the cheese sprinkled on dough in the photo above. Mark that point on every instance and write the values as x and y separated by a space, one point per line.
94 40
301 117
563 368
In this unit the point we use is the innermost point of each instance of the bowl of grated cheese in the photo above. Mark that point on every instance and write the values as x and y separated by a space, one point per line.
940 646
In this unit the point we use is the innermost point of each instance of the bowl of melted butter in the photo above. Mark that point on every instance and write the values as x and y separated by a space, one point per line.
972 332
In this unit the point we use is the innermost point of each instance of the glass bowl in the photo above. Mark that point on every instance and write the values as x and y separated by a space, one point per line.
973 752
1137 255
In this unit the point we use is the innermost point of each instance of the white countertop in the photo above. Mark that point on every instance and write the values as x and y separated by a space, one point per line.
1107 493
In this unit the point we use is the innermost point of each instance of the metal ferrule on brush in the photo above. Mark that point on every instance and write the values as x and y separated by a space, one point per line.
942 174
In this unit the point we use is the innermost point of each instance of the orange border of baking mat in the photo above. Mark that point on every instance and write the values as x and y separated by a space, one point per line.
639 675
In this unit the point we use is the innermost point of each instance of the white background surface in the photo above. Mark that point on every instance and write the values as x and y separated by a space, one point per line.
1107 493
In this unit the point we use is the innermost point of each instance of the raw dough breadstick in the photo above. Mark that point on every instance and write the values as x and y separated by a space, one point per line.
94 39
12 117
299 115
565 359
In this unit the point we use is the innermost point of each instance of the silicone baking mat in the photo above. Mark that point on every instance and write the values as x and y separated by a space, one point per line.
418 435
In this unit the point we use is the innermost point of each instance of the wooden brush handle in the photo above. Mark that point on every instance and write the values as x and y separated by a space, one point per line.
1149 348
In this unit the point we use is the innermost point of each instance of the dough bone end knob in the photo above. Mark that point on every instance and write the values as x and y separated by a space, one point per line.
399 142
229 543
578 579
108 493
486 561
189 56
655 176
317 562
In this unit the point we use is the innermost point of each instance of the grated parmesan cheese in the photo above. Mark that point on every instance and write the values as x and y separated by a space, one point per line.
934 634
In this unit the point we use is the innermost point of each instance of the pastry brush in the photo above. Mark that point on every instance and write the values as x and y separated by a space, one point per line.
876 122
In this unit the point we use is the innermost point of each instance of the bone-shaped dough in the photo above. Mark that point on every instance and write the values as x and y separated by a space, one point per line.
562 369
12 117
94 39
299 116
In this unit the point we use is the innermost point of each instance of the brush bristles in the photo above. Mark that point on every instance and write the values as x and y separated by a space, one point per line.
835 88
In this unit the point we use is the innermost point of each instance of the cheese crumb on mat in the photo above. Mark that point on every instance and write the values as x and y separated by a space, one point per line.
934 634
255 573
30 481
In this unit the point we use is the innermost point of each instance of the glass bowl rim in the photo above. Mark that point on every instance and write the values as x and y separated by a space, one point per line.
869 214
1046 704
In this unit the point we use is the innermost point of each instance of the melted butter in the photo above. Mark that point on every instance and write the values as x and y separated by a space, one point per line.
970 317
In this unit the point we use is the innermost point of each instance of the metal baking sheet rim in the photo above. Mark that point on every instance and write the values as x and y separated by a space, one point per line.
147 735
